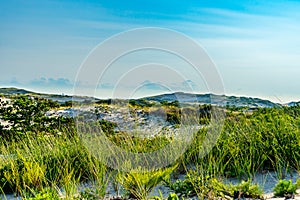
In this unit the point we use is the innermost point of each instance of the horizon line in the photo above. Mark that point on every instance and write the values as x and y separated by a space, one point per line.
146 96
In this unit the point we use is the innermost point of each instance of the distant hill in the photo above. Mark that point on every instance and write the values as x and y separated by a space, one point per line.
182 97
12 91
293 103
55 97
220 100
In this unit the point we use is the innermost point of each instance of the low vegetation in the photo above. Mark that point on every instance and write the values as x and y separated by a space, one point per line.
139 183
286 188
43 157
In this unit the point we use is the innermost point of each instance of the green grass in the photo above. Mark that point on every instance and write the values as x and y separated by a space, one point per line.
139 183
208 187
269 139
40 164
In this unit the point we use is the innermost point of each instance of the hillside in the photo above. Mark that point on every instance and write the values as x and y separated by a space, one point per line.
12 91
182 97
55 97
220 100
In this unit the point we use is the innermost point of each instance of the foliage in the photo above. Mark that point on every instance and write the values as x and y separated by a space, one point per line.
138 145
293 111
36 146
140 182
45 194
284 188
246 190
104 101
205 113
140 103
107 127
173 196
268 139
173 117
205 186
28 114
174 112
67 104
37 164
170 104
199 185
183 188
91 194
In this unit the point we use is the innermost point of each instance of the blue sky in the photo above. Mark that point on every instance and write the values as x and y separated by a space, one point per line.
255 45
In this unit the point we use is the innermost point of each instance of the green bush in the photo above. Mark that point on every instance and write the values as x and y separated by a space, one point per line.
26 114
205 186
170 104
45 194
140 103
284 188
107 127
246 190
200 185
173 117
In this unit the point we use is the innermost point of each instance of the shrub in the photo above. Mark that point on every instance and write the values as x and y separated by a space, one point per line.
170 104
284 188
107 127
198 185
205 186
140 103
45 194
27 114
246 190
173 117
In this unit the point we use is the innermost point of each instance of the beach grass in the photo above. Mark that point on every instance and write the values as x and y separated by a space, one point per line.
55 164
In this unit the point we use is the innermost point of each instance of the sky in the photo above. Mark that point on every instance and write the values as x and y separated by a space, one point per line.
254 45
